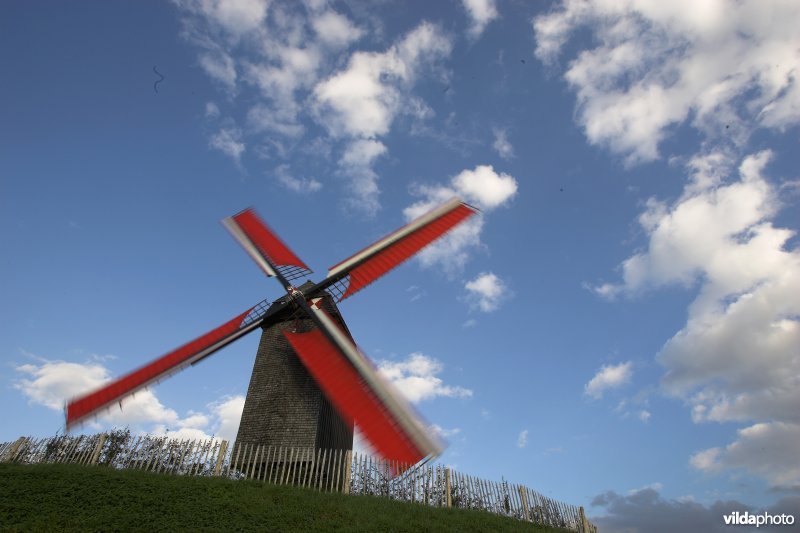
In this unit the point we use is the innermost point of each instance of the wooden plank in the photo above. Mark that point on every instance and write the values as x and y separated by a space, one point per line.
178 467
152 457
191 453
290 466
160 463
497 493
276 465
335 464
322 470
285 464
448 497
463 490
196 457
249 466
202 466
223 449
327 459
245 462
174 455
70 444
130 452
364 474
267 465
159 460
80 452
260 461
313 469
292 463
33 450
75 449
234 462
348 464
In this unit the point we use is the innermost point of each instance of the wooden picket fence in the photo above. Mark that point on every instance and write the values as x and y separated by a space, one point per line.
342 471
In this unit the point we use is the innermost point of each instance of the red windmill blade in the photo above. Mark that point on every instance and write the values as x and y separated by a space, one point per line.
81 408
264 246
342 373
359 393
375 260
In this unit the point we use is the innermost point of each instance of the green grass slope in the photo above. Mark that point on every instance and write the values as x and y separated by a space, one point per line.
69 497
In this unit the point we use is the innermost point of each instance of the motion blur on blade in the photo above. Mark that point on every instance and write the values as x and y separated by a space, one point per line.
345 376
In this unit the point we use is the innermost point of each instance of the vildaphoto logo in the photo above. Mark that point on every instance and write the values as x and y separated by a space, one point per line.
763 519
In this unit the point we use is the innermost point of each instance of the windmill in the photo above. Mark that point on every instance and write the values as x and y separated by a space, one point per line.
304 336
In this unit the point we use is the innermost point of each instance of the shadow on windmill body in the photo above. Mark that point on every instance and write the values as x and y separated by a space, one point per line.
284 406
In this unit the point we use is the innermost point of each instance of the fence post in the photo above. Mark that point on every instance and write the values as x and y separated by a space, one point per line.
348 462
12 451
525 510
98 448
448 496
223 449
584 522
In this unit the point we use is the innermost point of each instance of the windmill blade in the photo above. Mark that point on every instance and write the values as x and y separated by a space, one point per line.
264 246
359 393
377 259
78 409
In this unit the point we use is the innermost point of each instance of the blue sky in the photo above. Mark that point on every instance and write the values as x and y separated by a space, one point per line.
619 329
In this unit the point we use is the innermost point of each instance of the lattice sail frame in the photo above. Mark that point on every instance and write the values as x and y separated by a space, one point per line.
265 247
344 374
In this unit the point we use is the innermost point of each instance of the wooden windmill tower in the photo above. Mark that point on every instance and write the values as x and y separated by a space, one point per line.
310 383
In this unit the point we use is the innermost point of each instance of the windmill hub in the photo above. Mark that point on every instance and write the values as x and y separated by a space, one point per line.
295 293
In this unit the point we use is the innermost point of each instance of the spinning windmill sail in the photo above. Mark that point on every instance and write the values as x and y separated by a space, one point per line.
344 375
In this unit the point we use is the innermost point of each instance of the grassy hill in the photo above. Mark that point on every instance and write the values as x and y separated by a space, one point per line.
69 497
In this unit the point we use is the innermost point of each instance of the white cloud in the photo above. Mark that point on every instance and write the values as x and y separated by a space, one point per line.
236 17
227 413
482 187
444 433
657 486
416 377
609 377
356 163
736 358
276 119
767 449
220 67
723 67
736 247
487 291
299 185
706 460
481 13
644 415
522 439
212 110
335 30
52 383
283 55
294 58
228 141
501 144
726 69
485 187
361 101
